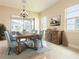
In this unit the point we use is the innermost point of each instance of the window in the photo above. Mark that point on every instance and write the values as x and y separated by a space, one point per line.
43 23
72 17
18 24
77 24
70 24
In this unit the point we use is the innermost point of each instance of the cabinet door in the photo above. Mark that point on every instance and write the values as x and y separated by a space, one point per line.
48 36
55 37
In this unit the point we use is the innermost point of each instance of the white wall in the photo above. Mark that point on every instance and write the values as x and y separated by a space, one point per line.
72 38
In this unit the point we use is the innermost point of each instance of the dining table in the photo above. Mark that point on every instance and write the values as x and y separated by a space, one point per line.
30 36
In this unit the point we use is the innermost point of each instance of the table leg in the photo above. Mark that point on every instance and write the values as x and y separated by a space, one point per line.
18 47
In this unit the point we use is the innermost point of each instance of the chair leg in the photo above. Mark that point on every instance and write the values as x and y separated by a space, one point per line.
9 51
35 44
41 44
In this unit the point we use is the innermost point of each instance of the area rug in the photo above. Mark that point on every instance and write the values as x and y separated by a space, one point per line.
25 54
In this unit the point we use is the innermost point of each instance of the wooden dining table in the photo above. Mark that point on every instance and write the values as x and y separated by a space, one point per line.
30 36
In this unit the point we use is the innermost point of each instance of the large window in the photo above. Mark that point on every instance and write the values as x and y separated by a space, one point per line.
18 24
72 17
43 23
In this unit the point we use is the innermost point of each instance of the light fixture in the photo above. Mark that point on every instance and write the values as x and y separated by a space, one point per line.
24 12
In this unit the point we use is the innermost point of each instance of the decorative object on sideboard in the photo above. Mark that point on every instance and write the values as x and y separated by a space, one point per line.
55 21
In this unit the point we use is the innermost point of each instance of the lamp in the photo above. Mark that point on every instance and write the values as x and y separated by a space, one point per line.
24 13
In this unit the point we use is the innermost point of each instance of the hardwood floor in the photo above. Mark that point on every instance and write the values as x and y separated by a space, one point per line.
54 52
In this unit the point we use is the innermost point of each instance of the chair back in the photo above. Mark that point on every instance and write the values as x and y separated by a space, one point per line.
11 36
7 37
34 31
41 33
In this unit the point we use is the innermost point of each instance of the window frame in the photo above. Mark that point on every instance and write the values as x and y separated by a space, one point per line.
16 18
75 18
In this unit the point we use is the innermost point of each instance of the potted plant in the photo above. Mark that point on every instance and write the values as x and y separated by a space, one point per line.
2 29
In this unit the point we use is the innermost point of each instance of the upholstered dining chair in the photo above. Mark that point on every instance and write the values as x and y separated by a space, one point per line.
14 39
34 31
40 37
11 36
11 44
41 33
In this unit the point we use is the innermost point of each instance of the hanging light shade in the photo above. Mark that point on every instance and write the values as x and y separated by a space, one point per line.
24 12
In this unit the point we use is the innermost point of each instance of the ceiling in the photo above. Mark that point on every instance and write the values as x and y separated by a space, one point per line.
31 5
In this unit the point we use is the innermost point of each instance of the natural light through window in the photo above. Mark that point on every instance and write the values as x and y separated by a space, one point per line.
72 17
18 24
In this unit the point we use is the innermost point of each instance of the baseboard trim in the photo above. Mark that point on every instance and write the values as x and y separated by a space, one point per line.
73 46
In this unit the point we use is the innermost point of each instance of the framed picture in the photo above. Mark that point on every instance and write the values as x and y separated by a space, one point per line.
55 21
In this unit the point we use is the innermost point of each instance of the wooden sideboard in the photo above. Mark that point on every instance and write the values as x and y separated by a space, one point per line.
54 36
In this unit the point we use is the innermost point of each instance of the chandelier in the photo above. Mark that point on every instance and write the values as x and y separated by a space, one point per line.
24 13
